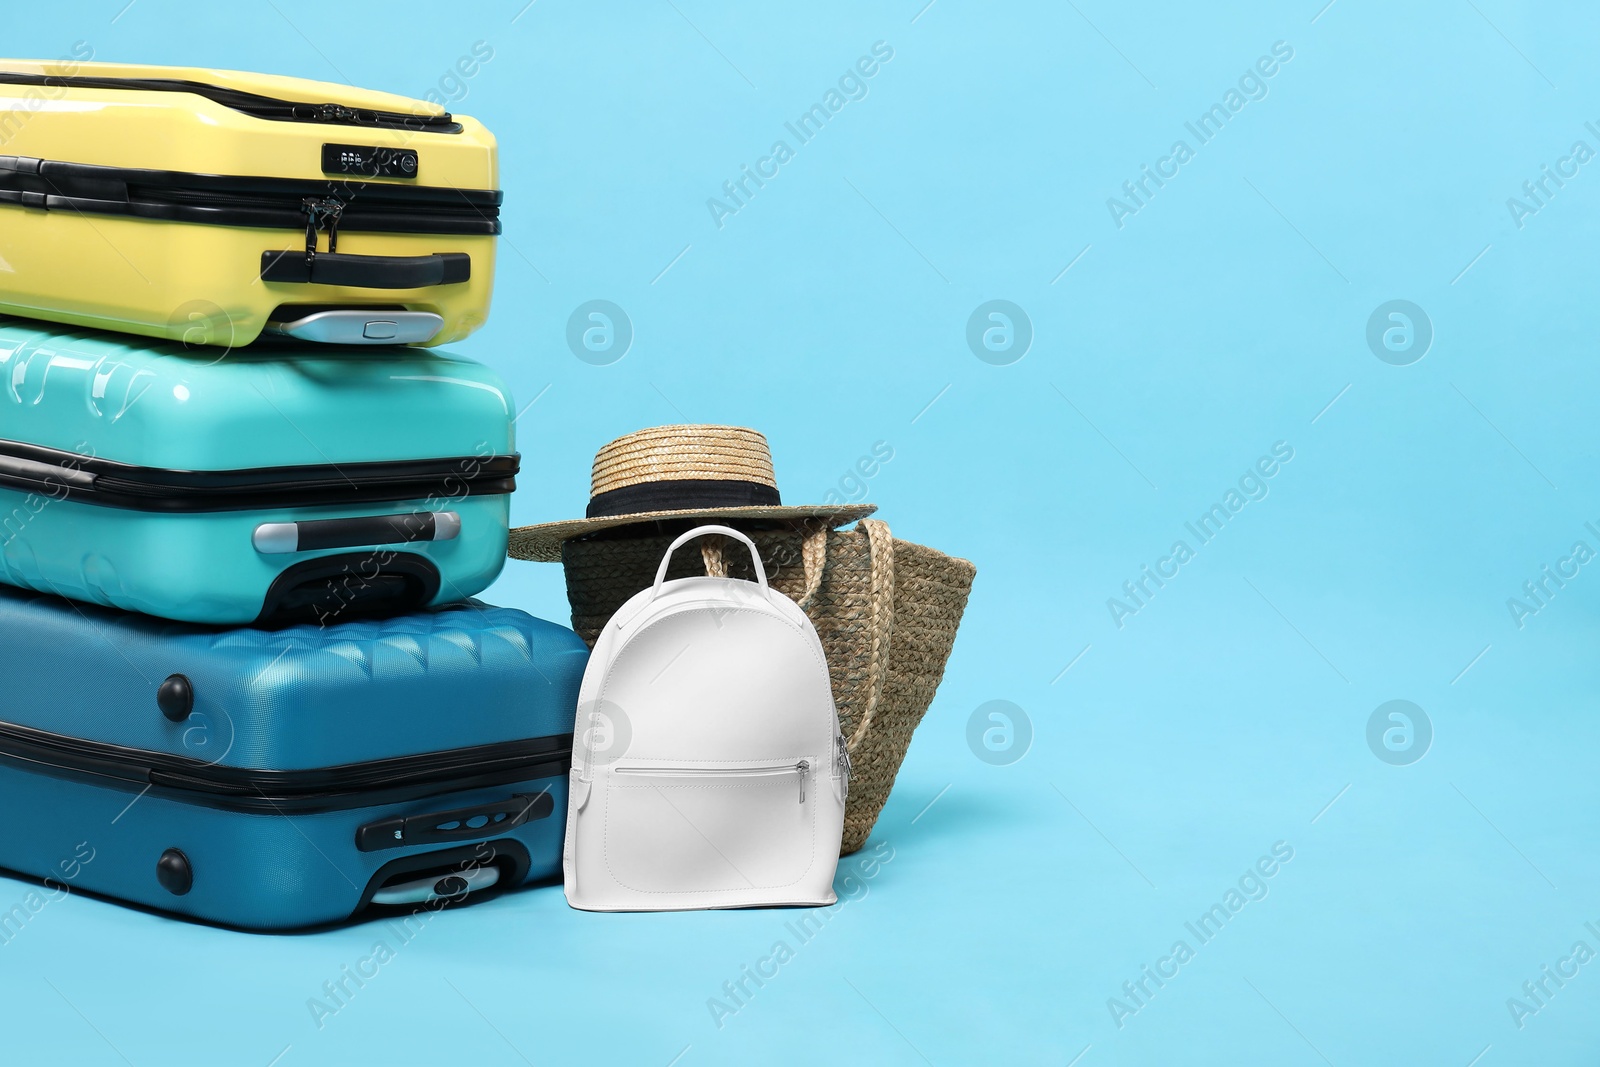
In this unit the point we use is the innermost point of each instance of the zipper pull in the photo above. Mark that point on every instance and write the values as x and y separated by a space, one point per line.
319 209
803 766
309 206
333 211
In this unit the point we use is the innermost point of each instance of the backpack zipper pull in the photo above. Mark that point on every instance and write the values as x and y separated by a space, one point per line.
803 766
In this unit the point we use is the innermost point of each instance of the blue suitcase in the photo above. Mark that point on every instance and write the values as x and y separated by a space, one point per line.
274 483
269 779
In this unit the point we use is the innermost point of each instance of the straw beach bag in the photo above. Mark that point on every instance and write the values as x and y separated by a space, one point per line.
886 611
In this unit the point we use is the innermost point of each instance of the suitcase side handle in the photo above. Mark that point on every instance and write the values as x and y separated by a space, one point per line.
275 538
365 272
457 824
507 856
432 889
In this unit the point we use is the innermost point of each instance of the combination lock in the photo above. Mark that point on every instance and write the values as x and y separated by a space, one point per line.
368 161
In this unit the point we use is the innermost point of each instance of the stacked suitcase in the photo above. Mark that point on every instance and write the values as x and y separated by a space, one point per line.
246 681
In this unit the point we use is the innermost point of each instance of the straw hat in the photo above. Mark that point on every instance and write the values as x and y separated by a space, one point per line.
678 472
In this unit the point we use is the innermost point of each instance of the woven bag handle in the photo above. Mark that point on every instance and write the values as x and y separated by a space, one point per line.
813 560
880 605
880 547
711 555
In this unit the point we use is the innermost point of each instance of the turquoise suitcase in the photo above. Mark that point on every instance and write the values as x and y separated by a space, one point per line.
275 484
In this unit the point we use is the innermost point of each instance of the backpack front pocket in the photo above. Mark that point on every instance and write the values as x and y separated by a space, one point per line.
710 830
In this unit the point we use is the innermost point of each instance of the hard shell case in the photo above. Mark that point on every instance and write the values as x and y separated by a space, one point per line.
200 205
275 779
269 484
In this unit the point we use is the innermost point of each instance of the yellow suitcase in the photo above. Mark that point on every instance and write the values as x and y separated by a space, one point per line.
209 206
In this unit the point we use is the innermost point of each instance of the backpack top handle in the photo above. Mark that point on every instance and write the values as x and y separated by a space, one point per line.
702 531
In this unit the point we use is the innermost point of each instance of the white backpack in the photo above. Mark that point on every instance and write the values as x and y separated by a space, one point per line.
708 770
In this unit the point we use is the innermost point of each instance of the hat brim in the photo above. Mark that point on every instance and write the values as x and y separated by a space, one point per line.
542 543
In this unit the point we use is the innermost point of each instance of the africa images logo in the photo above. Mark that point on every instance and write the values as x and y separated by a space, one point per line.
852 85
1252 886
1252 486
1252 85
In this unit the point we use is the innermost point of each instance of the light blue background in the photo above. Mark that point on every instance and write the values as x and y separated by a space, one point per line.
1225 716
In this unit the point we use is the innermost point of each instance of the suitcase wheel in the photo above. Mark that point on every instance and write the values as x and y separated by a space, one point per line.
350 585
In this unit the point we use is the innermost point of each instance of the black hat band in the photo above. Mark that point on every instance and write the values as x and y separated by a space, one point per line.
685 494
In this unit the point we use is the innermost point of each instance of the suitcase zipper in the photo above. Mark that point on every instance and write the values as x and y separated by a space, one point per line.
262 107
801 769
353 785
67 475
245 201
